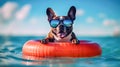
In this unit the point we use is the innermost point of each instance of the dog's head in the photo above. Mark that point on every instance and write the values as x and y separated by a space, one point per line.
61 26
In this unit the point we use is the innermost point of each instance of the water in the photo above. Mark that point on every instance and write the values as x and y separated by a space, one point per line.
11 54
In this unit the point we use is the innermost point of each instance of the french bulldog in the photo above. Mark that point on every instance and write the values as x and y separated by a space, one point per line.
61 27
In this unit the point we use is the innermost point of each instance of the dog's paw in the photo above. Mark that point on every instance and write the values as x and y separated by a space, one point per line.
75 41
44 41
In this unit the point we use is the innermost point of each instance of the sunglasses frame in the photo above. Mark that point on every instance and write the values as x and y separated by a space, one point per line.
60 21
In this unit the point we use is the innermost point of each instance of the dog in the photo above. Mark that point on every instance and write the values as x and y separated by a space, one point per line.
61 27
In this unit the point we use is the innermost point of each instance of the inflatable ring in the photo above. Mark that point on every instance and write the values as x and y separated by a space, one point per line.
61 49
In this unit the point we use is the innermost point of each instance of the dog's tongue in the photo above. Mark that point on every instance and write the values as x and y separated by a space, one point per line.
61 35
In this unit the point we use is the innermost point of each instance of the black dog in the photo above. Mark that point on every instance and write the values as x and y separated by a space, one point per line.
61 27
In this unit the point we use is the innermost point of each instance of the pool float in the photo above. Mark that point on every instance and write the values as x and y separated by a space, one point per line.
61 49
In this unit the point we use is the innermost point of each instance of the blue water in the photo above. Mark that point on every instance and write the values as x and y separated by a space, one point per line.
11 54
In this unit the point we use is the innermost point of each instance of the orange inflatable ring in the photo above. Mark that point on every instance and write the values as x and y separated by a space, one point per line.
61 49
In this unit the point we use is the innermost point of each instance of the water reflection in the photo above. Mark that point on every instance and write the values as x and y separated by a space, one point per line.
32 60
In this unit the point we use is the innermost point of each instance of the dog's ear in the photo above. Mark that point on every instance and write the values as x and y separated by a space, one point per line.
50 13
72 12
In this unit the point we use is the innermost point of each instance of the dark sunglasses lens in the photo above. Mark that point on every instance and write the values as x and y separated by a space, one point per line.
67 23
54 23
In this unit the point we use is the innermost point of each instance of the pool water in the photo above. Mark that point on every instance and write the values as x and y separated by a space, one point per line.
11 54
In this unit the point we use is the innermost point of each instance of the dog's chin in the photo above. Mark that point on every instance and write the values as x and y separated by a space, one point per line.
61 35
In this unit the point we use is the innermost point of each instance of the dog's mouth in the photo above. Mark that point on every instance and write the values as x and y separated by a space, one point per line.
61 35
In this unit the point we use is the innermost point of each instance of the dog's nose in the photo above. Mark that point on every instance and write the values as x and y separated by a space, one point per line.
61 28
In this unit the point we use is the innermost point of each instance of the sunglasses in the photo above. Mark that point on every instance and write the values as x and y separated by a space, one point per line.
55 23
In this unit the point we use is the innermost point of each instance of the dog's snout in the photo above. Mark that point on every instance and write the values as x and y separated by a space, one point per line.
61 28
